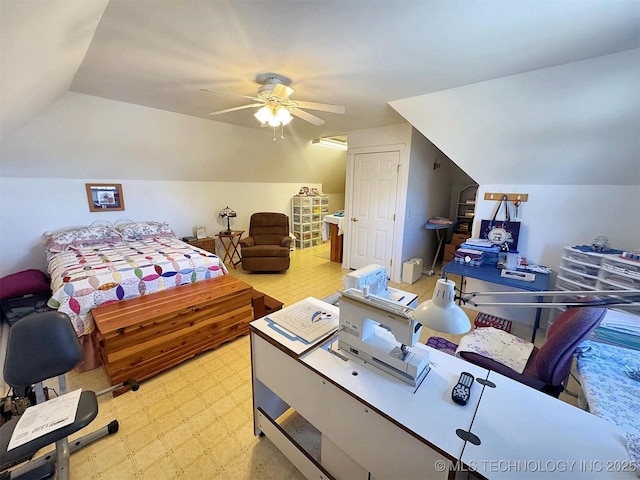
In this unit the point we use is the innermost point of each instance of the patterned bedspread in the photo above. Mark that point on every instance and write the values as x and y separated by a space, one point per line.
84 278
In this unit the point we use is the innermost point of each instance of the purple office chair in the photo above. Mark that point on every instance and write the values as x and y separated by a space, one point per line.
548 366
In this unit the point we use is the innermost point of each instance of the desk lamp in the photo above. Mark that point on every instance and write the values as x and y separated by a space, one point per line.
227 213
443 315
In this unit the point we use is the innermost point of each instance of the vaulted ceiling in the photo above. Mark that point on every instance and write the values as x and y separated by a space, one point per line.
360 54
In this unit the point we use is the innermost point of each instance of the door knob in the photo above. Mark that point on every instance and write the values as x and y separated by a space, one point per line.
354 219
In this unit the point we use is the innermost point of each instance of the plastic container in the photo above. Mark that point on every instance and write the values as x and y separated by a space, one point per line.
411 270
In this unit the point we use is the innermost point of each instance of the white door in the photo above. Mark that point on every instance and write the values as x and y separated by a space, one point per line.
373 207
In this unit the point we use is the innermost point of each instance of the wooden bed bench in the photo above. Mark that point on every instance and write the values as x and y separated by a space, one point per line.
144 336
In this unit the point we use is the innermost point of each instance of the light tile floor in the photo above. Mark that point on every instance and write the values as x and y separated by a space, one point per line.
195 420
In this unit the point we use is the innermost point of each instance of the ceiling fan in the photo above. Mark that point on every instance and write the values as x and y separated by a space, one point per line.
276 106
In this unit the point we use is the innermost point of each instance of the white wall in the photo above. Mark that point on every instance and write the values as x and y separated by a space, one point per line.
172 167
428 194
574 124
559 215
31 206
562 215
566 135
80 136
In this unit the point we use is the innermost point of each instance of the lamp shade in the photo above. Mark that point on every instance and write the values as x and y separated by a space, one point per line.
283 115
228 214
264 114
441 312
274 116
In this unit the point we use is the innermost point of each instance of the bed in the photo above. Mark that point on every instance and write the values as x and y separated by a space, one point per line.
139 264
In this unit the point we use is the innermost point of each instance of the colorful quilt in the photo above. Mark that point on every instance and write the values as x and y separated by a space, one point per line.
85 277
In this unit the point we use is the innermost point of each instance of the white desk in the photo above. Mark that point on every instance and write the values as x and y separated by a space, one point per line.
375 426
528 434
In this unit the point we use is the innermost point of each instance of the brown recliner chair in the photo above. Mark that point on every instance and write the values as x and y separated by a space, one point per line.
267 247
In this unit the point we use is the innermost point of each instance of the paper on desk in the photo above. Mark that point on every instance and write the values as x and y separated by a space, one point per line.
44 418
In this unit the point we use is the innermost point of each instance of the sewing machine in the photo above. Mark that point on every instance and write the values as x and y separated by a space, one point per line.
374 277
382 334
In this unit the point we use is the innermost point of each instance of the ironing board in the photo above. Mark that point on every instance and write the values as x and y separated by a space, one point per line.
441 235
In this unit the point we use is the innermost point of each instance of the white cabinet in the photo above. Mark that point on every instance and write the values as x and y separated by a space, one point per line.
587 271
307 213
578 271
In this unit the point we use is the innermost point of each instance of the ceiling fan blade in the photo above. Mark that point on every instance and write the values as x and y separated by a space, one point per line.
323 107
252 105
282 91
227 93
307 117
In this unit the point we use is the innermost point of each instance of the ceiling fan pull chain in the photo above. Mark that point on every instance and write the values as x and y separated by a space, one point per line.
274 134
282 131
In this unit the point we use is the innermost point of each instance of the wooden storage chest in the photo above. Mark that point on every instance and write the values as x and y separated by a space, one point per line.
144 336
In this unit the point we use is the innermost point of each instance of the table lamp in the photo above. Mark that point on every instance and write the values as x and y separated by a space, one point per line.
227 213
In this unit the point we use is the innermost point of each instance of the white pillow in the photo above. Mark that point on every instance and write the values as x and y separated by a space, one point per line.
77 237
143 230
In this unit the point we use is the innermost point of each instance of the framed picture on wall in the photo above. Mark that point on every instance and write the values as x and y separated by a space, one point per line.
104 197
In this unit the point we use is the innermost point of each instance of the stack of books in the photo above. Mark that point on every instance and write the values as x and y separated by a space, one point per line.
490 250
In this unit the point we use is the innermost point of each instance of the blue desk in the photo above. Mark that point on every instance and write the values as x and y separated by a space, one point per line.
491 274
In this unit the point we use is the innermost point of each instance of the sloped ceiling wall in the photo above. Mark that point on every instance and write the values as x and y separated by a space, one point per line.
575 124
42 49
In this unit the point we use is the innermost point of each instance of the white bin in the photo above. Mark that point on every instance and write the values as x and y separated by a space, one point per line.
411 270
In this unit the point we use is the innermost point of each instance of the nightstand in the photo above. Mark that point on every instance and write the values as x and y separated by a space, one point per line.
206 243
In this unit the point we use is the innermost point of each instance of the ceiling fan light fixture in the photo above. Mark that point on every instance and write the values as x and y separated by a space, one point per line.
274 116
284 116
264 115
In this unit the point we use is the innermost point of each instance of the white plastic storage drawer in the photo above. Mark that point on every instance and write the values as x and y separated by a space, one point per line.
568 284
580 267
614 280
581 278
585 257
619 265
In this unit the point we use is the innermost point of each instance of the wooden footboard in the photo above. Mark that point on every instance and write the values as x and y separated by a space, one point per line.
144 336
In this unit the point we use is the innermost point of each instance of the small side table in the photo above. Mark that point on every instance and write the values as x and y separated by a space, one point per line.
206 243
231 246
